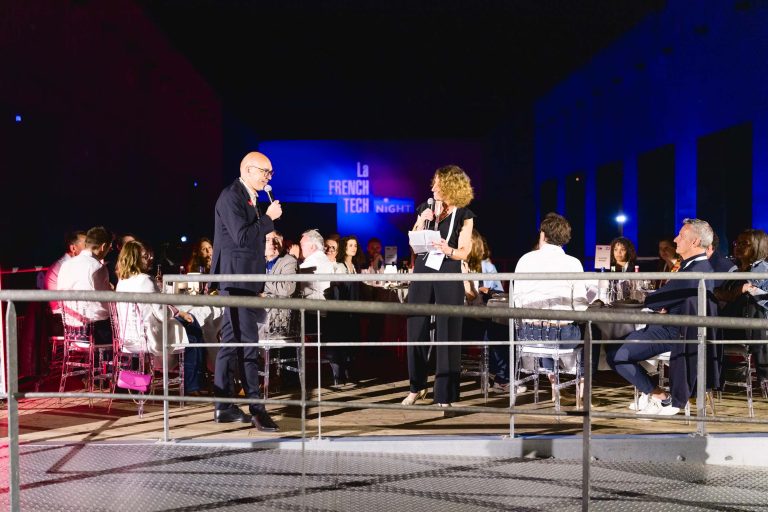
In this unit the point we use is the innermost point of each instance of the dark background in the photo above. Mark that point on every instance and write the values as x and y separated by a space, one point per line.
135 113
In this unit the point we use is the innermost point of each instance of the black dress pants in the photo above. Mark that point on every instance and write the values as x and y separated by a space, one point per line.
447 357
240 325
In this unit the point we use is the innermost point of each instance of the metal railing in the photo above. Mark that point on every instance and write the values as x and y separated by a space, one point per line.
304 305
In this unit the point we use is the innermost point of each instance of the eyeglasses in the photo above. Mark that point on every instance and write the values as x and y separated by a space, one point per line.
267 172
741 243
328 248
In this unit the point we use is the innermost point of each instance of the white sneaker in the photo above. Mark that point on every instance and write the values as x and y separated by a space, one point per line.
504 388
642 402
655 407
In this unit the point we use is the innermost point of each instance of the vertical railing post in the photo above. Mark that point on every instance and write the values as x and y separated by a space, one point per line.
302 381
319 383
586 437
13 408
512 377
166 408
701 362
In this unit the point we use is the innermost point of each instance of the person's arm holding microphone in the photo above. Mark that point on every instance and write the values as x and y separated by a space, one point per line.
426 217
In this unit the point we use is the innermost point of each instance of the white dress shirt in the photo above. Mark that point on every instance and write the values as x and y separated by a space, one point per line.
556 294
85 272
52 277
322 265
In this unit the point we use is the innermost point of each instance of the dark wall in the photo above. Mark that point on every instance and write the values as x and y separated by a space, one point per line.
724 185
610 178
575 203
656 209
116 129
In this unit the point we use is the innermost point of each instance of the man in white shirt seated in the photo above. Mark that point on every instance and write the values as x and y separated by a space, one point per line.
315 262
74 243
554 232
86 271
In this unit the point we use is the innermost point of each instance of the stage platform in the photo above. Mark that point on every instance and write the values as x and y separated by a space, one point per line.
139 477
375 459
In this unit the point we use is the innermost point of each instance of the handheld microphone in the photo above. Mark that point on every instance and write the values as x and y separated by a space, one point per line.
431 206
268 190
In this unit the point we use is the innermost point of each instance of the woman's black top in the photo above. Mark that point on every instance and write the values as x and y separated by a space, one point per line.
449 265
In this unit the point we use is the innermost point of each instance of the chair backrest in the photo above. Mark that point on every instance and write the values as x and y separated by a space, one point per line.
128 327
537 331
76 325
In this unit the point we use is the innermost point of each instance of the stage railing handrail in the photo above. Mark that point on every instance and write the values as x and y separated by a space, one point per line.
304 305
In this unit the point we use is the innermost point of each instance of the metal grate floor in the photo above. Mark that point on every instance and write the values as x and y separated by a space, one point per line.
138 477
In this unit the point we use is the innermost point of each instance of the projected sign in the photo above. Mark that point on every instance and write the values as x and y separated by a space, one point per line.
375 185
355 195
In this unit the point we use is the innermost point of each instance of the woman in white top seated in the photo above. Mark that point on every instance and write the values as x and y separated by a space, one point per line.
132 266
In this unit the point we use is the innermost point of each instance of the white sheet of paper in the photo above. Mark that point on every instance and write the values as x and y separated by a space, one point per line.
435 259
603 256
390 254
421 241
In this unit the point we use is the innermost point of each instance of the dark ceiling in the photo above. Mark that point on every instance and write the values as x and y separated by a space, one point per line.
388 69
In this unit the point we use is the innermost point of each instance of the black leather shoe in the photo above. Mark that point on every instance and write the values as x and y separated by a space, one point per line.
263 422
231 415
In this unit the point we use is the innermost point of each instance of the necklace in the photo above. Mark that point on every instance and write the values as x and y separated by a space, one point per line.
446 211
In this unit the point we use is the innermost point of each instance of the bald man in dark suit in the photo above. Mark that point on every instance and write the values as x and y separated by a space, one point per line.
238 248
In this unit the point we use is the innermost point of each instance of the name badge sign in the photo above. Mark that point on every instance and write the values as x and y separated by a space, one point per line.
602 256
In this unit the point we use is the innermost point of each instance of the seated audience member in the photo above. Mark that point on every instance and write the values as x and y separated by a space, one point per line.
202 255
487 267
554 233
375 259
111 259
74 243
676 297
747 298
86 271
668 257
293 249
351 255
669 260
498 354
331 249
344 327
623 255
133 277
279 322
196 376
719 262
315 262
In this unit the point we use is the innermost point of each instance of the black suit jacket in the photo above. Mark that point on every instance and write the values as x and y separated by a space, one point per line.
681 297
238 240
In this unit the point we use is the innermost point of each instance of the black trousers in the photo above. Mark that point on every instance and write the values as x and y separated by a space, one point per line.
240 325
447 328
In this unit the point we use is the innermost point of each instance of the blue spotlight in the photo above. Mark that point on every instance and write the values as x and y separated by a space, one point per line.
18 118
184 238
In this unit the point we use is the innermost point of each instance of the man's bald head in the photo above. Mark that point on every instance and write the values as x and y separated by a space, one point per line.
256 170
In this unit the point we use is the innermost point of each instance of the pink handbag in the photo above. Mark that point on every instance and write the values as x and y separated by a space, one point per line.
130 379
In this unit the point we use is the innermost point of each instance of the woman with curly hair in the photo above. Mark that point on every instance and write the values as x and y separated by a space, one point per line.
623 255
452 191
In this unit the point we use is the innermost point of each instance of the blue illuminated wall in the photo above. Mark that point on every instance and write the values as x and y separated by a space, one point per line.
375 185
692 69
